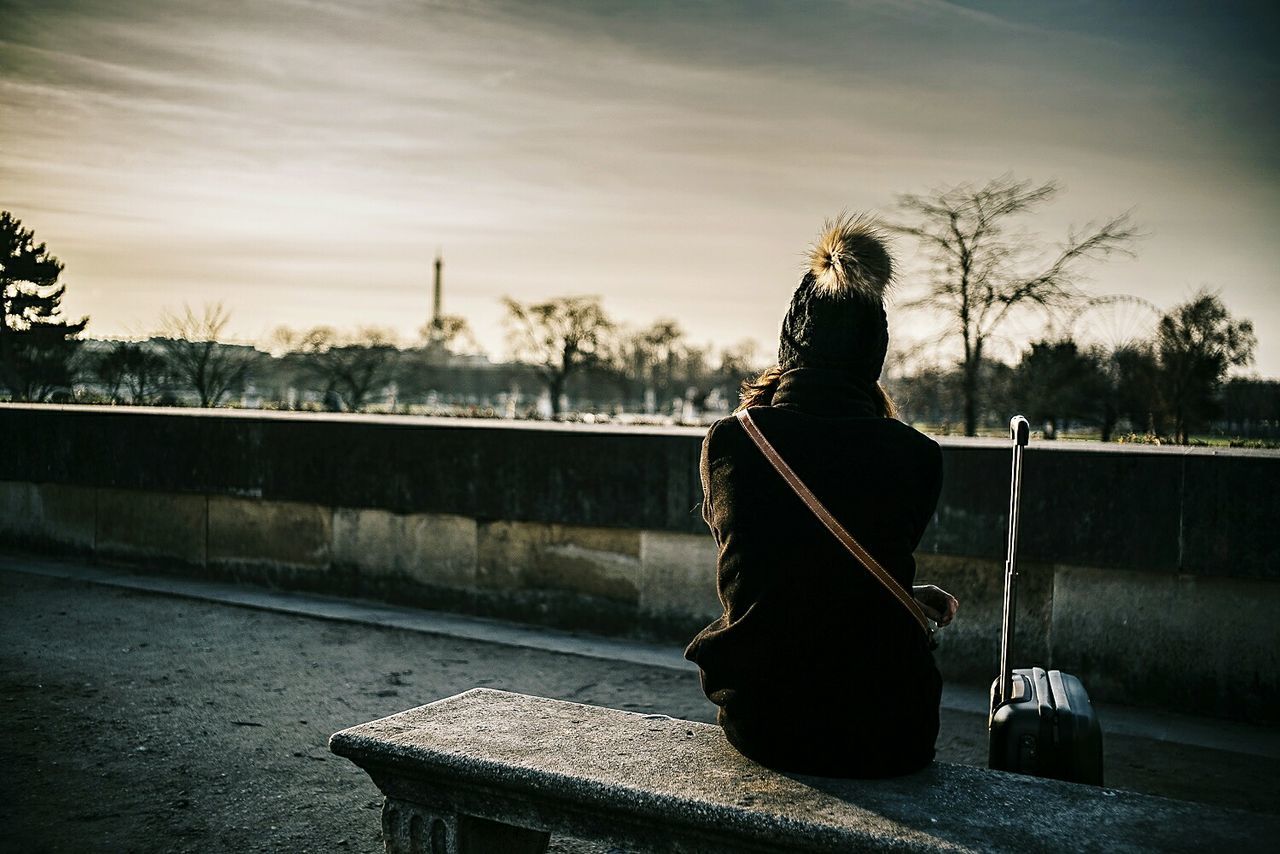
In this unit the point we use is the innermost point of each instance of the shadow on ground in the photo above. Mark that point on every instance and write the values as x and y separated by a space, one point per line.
138 722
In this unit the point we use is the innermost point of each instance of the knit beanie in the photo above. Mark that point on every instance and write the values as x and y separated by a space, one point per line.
836 320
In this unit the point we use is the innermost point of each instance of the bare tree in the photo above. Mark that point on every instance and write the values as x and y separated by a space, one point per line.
195 357
558 337
648 361
147 375
984 270
135 368
450 333
351 366
110 371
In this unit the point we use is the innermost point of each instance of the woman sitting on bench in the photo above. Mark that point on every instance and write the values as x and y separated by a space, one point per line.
818 666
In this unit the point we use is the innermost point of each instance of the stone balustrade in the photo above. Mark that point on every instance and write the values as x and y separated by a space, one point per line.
1152 573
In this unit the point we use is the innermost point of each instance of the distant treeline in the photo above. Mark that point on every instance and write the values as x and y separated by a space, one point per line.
569 358
1104 407
1065 389
363 374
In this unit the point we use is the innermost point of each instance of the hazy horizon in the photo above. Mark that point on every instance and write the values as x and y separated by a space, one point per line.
303 161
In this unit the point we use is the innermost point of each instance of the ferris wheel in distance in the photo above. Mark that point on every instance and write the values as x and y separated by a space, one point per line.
1115 322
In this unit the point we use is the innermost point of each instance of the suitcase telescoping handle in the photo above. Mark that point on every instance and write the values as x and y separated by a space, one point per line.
1019 434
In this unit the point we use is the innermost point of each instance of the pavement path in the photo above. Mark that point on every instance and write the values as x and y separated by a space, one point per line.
143 713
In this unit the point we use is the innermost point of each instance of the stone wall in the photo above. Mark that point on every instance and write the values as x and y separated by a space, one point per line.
1150 572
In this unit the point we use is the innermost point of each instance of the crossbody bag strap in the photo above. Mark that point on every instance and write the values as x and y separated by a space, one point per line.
833 525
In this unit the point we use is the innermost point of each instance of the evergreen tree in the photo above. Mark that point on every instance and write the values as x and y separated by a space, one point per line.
1197 343
37 346
1134 392
1058 382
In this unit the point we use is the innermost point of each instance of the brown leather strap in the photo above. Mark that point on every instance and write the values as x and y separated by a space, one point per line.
833 525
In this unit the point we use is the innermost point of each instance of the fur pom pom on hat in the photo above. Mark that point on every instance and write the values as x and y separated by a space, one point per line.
836 320
850 258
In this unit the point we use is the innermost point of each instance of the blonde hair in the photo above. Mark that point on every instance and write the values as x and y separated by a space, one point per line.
759 392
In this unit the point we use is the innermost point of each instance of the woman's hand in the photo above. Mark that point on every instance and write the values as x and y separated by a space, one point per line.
937 604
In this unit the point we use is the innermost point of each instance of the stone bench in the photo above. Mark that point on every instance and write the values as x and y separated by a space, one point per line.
492 771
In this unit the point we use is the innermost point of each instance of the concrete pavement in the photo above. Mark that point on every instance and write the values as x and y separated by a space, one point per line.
146 713
1208 733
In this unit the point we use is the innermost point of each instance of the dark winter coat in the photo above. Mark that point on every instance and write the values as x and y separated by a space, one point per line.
815 666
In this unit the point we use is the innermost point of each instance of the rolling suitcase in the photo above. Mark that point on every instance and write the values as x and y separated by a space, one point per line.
1040 722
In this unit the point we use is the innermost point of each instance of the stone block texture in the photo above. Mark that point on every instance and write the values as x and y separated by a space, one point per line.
425 548
678 575
285 534
48 515
152 525
598 562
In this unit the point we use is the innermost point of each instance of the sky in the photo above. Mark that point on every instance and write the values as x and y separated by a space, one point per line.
303 161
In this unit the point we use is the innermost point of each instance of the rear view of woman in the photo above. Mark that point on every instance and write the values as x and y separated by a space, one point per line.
815 665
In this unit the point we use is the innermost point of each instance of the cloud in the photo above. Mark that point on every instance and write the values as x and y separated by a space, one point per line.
674 157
